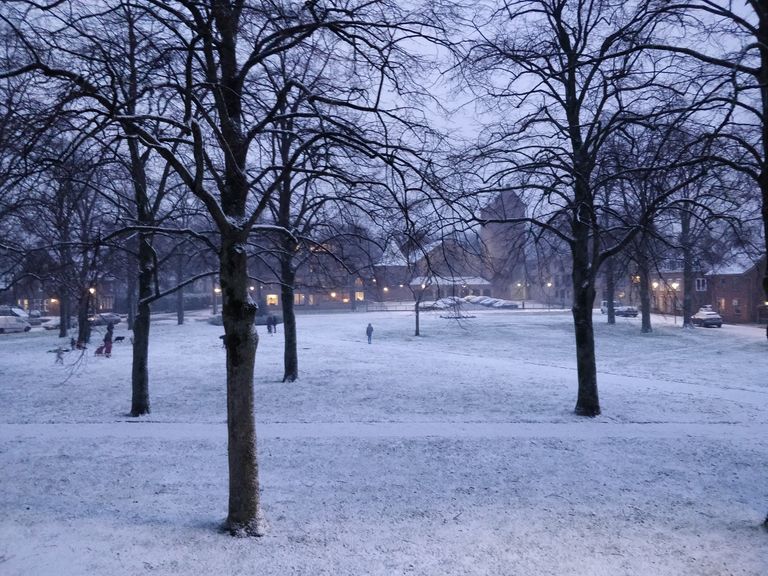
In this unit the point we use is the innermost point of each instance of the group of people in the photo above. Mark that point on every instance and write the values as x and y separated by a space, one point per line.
272 324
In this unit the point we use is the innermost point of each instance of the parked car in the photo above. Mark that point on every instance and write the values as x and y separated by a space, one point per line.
707 317
13 324
104 319
13 311
619 309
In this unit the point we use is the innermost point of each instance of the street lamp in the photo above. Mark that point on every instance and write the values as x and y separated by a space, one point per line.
675 286
216 292
549 295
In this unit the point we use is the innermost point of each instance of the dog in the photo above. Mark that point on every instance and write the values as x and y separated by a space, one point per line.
119 339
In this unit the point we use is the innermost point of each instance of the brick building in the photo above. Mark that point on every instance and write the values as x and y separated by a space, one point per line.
735 290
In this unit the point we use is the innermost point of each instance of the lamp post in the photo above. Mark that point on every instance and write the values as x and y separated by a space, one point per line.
675 286
92 300
216 292
549 295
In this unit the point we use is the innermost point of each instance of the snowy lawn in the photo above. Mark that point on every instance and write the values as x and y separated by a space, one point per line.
456 453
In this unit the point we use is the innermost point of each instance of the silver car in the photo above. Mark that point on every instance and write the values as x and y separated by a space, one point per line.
10 324
707 317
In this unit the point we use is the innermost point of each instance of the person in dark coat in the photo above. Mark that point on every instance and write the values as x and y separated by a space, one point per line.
369 332
108 340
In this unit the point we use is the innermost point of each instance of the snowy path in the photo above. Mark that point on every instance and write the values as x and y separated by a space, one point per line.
383 430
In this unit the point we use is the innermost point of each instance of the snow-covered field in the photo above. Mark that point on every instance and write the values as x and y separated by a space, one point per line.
456 453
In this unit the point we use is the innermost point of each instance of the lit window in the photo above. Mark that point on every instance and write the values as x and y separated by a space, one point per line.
272 300
359 296
299 299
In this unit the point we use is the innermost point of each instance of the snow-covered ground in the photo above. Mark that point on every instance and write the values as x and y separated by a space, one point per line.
456 453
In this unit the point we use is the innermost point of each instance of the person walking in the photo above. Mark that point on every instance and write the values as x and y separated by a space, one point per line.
108 340
369 332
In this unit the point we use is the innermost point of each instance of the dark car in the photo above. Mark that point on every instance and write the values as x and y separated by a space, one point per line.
619 309
707 317
104 319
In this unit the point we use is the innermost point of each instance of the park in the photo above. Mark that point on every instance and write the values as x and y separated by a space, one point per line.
454 453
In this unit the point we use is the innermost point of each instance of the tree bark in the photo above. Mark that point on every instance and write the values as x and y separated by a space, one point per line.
610 290
290 355
762 43
130 299
686 242
238 310
584 250
645 293
83 326
140 369
587 403
180 291
63 312
240 340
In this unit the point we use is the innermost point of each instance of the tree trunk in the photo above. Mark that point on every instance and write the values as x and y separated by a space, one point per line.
83 326
63 312
240 340
583 278
645 294
130 299
180 291
416 310
587 403
291 355
762 37
140 370
610 290
685 241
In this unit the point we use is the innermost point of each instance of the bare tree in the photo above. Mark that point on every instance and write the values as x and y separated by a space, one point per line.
212 126
703 28
564 77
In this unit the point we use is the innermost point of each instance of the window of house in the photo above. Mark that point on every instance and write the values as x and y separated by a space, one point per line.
735 302
271 299
701 284
299 299
359 296
721 303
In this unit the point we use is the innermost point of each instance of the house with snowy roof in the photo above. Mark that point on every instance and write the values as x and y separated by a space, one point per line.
443 268
735 289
